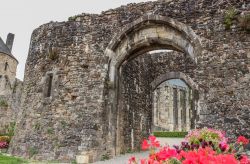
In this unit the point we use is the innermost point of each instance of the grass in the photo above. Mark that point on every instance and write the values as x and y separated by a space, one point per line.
11 160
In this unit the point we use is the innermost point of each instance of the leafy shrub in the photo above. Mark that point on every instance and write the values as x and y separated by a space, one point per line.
170 134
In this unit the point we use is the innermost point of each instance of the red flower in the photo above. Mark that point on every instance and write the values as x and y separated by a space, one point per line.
244 160
143 161
152 138
145 145
132 160
242 140
166 153
153 141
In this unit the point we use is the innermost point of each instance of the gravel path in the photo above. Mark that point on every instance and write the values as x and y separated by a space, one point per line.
123 159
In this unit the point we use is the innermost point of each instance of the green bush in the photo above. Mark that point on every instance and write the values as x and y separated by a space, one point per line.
170 134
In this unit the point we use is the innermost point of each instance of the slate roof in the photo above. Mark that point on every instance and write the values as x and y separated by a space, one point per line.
4 49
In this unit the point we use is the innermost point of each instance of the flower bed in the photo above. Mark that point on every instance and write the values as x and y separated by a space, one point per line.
4 142
204 146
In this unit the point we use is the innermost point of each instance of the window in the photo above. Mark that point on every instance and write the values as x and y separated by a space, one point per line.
49 85
6 66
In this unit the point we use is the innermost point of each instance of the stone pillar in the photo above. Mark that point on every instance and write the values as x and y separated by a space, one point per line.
179 109
184 109
189 109
155 103
175 108
170 109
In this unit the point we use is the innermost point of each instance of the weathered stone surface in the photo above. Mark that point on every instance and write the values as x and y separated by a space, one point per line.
100 100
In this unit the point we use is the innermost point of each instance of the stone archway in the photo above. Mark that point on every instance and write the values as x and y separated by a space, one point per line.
150 32
174 75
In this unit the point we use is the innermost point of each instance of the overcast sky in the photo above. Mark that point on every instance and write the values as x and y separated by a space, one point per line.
21 17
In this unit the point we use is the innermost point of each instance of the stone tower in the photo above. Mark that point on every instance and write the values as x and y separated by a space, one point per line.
8 65
10 87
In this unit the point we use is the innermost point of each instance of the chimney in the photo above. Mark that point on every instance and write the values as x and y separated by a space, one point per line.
10 40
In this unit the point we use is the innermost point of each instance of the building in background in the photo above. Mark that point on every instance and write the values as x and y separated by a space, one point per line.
10 86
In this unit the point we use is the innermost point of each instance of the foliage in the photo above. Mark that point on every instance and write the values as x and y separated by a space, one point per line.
53 54
3 103
105 157
11 160
208 135
50 131
170 134
11 129
37 126
72 18
32 151
203 146
229 17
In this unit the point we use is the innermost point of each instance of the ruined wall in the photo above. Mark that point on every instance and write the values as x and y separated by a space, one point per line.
73 120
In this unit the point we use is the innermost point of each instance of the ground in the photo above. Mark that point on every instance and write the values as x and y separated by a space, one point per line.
123 159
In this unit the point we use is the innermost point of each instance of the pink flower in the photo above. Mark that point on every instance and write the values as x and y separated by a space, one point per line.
223 146
3 145
242 140
145 145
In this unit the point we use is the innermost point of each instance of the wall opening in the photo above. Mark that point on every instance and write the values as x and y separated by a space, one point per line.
6 66
145 50
172 110
48 87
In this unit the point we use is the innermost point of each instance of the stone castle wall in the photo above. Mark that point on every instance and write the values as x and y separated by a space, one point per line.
69 58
